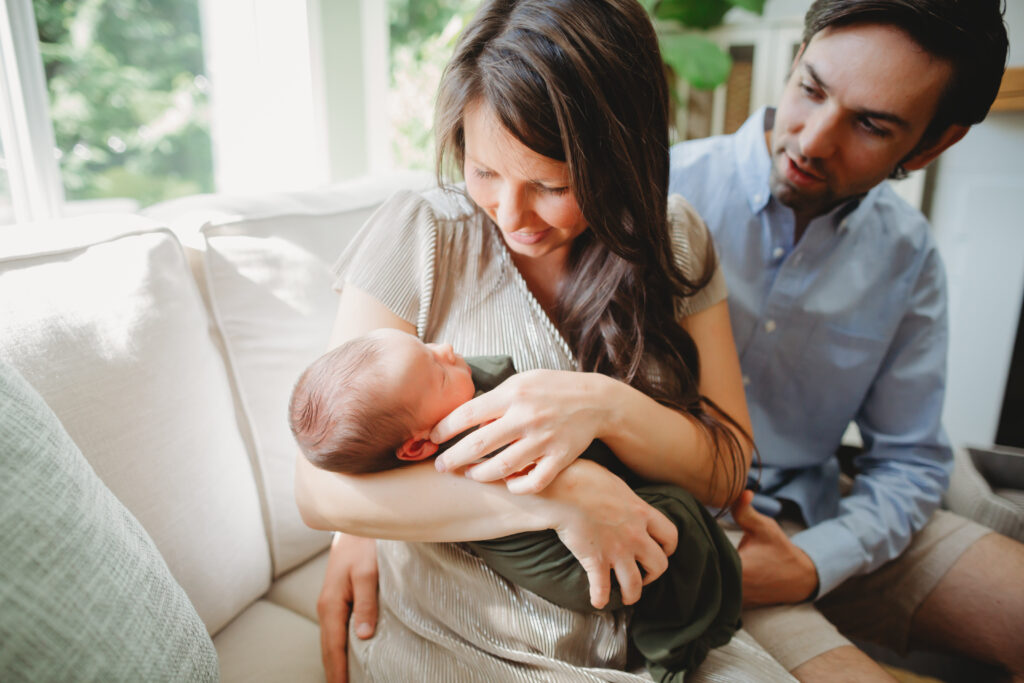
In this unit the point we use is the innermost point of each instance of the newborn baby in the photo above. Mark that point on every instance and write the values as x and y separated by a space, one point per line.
369 405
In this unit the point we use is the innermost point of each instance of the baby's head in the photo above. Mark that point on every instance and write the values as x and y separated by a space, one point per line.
369 404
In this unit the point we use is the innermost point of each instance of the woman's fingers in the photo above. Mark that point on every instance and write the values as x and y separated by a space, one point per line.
627 573
654 563
482 442
663 531
537 479
600 582
476 411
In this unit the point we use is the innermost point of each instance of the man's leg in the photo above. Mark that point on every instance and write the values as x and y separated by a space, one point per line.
846 663
807 644
977 608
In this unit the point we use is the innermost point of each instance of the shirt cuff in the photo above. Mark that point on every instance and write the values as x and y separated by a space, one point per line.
835 552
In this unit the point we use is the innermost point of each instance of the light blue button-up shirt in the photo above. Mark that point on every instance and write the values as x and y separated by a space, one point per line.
847 324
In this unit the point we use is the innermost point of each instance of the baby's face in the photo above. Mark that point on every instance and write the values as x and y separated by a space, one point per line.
433 378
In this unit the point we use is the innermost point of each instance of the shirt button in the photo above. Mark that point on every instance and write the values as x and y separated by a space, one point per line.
777 252
757 198
769 326
746 381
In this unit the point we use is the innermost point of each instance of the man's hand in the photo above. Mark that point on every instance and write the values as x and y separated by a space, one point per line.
775 571
350 587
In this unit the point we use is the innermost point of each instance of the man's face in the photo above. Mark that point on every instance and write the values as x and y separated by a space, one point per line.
856 104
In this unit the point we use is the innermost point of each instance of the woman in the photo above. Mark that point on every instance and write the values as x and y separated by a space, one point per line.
566 253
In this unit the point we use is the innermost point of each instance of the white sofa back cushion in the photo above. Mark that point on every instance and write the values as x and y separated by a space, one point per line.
103 318
268 277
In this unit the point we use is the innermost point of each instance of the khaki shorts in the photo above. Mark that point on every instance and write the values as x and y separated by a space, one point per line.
876 607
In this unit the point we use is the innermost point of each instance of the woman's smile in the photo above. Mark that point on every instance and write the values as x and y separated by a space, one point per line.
527 237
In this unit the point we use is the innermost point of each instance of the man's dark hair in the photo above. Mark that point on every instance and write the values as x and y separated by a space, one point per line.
342 417
969 34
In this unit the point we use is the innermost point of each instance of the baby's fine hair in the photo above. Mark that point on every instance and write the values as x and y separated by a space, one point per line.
343 416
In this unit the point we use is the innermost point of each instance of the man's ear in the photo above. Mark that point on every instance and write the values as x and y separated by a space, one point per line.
416 449
926 155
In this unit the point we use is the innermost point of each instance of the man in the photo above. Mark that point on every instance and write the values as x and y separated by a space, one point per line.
838 306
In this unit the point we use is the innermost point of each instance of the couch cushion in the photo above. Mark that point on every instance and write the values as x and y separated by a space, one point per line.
269 283
270 643
84 593
299 589
101 316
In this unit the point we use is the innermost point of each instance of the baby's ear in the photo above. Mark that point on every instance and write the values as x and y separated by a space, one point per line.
416 449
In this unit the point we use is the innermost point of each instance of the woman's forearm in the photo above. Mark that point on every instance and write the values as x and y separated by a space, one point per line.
417 503
662 444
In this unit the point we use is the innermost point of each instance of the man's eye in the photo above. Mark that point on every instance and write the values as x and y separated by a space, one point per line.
808 89
872 129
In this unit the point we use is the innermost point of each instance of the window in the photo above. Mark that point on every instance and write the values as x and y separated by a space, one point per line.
6 208
423 35
117 104
128 97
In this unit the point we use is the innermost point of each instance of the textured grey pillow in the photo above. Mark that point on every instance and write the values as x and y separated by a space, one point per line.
84 593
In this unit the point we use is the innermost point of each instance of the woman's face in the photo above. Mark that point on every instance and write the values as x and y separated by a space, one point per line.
526 194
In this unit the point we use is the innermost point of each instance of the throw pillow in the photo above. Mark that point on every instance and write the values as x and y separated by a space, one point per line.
84 593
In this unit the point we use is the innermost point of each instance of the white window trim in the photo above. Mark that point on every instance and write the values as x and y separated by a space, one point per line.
299 99
37 192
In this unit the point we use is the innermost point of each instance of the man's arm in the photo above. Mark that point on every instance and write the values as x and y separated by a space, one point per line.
907 460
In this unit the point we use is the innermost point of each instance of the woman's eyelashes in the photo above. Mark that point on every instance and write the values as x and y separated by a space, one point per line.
557 191
484 174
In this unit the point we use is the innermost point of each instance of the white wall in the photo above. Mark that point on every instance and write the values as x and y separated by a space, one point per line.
976 211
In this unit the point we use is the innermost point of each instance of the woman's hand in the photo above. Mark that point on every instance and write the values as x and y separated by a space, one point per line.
607 527
545 417
350 587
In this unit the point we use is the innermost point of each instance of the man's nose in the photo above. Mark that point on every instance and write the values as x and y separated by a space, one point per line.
818 137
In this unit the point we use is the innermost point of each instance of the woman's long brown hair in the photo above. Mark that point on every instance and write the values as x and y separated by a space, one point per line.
582 81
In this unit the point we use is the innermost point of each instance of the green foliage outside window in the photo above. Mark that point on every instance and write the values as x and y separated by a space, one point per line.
423 34
691 56
128 97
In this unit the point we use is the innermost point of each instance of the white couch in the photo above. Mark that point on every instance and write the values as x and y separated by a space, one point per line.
167 344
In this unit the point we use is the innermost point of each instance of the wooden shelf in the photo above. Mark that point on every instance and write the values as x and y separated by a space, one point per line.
1011 91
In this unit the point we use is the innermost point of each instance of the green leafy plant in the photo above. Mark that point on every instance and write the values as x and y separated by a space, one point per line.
688 54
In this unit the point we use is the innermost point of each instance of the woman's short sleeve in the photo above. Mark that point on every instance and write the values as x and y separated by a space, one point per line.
691 242
392 256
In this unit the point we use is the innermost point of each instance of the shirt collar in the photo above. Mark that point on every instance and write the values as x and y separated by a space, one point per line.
752 160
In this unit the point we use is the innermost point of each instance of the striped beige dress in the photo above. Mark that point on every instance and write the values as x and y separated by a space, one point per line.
440 264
